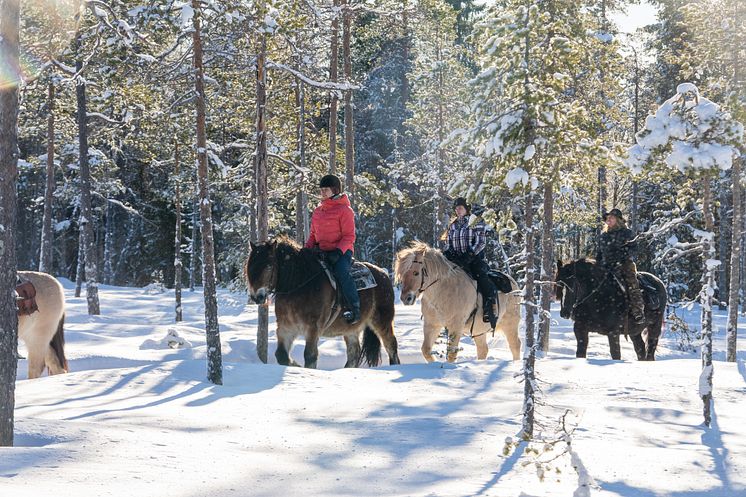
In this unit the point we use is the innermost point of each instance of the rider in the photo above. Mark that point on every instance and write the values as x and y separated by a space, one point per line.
465 248
616 249
333 232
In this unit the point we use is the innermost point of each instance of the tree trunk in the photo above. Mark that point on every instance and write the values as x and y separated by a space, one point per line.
194 244
301 201
735 265
349 132
177 236
88 241
333 76
708 289
80 267
722 278
529 359
9 82
440 211
212 329
109 245
47 235
547 267
262 334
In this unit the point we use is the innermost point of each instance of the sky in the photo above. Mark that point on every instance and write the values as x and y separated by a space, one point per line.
636 17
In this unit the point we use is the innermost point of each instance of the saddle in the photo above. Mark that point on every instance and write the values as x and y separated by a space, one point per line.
26 298
649 291
361 275
647 288
501 281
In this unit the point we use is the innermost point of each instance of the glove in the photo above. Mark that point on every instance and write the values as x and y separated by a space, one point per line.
333 256
317 252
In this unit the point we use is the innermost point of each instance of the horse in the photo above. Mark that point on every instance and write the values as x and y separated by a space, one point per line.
42 330
306 304
595 300
450 300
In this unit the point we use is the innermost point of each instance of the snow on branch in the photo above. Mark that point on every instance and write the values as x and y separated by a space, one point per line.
327 85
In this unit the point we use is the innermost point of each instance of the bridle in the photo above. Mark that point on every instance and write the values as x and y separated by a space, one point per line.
423 275
574 289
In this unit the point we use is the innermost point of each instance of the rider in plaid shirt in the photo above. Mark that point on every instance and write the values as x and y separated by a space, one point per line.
465 248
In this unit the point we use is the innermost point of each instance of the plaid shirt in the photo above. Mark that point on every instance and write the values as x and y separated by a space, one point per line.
463 238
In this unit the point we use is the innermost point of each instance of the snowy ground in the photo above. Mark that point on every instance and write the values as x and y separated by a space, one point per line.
134 417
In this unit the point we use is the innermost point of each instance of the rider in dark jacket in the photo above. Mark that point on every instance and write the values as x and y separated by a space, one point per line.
616 250
465 247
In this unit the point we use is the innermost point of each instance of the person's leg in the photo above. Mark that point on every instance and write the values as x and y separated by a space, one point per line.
344 279
637 307
487 288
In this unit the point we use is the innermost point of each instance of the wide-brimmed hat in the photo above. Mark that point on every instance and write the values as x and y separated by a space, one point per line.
614 212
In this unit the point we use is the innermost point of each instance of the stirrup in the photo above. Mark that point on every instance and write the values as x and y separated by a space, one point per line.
351 317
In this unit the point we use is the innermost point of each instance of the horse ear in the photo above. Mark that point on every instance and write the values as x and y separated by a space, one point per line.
251 245
559 264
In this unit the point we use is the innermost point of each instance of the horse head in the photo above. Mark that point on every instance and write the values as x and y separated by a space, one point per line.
410 272
260 270
565 288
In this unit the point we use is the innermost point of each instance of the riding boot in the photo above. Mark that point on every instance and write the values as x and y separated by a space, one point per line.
488 312
637 307
352 315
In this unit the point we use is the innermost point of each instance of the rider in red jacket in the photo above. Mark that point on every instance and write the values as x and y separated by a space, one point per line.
333 231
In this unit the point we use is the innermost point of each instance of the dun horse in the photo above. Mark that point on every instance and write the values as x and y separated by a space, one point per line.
595 301
450 300
42 330
305 304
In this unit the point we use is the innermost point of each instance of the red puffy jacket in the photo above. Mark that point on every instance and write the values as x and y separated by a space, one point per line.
333 225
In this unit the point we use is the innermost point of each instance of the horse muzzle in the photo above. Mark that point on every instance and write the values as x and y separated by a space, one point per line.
260 297
409 298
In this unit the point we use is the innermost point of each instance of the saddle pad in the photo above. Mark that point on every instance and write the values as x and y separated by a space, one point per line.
361 275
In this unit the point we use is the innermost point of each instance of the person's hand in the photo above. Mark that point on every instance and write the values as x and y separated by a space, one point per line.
334 256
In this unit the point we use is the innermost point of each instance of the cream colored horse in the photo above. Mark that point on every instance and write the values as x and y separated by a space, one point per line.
42 331
450 301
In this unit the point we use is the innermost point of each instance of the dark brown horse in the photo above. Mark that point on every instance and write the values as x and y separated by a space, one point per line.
305 304
595 300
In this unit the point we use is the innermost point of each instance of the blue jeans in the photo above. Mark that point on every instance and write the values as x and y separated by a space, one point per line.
344 280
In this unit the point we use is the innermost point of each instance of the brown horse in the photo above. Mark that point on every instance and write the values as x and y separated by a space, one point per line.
305 304
450 301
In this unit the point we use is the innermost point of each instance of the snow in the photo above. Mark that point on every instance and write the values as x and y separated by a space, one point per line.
515 176
133 418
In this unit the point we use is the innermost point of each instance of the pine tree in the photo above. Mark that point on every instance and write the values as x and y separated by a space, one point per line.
694 135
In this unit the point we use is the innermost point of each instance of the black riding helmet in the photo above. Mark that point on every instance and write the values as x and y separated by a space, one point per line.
462 201
331 181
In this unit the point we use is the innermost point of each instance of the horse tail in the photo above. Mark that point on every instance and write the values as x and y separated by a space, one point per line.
371 348
58 344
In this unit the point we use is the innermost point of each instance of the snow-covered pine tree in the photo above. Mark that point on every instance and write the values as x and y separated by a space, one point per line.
524 124
690 133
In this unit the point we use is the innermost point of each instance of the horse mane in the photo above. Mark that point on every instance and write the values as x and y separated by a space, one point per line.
295 264
437 264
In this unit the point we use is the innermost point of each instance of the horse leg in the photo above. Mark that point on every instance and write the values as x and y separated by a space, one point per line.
386 334
614 347
653 336
581 336
311 351
430 329
454 337
639 344
353 351
481 343
284 345
36 356
509 324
